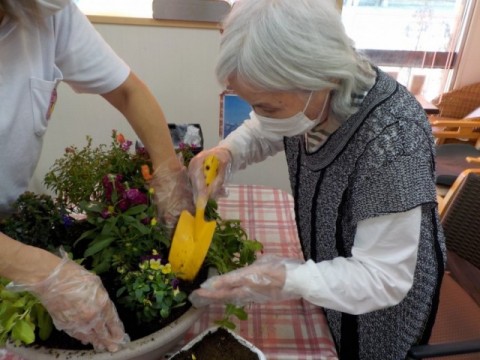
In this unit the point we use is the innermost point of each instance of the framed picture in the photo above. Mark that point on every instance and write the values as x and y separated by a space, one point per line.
233 111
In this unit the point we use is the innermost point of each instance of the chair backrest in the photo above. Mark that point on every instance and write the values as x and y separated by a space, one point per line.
460 102
461 222
456 129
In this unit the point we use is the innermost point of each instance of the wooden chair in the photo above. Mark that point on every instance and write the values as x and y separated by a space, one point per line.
452 158
458 103
457 325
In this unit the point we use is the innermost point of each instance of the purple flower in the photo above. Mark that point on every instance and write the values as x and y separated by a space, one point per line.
139 148
135 197
112 183
126 145
123 205
67 220
175 283
105 213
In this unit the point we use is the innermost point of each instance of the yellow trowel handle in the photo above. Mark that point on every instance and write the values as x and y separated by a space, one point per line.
210 169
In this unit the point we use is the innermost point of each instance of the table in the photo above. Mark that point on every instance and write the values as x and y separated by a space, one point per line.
295 330
429 108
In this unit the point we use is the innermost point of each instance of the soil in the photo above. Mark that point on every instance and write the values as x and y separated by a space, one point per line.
214 346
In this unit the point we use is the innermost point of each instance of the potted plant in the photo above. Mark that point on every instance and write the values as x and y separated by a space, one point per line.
104 215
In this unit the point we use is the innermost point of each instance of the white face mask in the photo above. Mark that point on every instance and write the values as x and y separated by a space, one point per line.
297 124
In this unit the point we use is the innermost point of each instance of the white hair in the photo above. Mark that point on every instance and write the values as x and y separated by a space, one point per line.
293 45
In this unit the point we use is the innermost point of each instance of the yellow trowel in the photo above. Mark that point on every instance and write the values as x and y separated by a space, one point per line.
193 235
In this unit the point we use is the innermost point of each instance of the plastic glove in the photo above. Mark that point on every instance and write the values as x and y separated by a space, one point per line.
261 282
173 193
217 187
79 305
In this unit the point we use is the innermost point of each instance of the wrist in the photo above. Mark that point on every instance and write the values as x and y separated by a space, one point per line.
168 166
30 265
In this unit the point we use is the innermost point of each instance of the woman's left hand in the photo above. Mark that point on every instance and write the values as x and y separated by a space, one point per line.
261 282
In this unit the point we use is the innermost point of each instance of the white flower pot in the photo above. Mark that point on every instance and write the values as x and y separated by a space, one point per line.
151 347
247 344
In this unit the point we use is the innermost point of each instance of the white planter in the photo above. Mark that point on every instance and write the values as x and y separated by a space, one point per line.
249 345
151 347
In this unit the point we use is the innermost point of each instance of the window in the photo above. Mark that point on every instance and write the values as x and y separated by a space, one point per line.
416 41
124 8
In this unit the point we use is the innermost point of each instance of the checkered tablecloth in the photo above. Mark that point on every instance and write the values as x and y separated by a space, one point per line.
285 330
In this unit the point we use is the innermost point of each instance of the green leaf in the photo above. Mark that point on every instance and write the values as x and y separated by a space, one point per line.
98 246
8 295
24 331
144 230
240 313
135 210
85 234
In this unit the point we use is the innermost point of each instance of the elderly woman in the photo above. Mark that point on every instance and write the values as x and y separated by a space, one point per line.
360 156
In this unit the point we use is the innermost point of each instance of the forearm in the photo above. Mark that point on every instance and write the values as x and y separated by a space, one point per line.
23 263
135 101
379 274
247 145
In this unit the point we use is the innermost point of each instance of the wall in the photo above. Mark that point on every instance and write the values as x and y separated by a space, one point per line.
178 65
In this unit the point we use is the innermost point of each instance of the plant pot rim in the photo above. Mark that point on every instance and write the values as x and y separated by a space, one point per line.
241 340
145 348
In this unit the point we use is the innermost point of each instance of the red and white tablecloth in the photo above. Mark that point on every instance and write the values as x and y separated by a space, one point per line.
284 330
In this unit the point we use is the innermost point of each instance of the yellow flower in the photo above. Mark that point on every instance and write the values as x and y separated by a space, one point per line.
150 277
155 264
143 265
166 269
151 191
154 252
153 222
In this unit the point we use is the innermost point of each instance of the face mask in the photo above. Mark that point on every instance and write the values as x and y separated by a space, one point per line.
295 125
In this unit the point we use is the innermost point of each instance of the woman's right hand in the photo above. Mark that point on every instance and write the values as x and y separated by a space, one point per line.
195 172
77 302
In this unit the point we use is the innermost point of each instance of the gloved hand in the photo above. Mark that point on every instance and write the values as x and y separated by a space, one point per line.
173 193
79 305
195 172
261 282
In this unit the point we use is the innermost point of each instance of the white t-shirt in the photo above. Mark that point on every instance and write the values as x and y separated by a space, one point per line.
33 60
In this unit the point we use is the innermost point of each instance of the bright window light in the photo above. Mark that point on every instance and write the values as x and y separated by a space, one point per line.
123 8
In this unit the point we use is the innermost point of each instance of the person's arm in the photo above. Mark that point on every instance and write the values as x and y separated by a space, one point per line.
74 297
379 274
247 144
135 101
20 262
170 180
243 146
